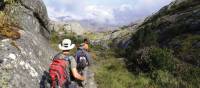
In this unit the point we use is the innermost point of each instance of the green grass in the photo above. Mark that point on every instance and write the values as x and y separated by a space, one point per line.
165 71
111 72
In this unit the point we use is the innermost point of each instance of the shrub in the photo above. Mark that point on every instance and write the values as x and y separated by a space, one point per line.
187 48
164 79
111 72
161 59
191 76
54 38
151 58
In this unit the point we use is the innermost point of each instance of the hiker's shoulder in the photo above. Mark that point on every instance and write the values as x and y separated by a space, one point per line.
59 55
71 57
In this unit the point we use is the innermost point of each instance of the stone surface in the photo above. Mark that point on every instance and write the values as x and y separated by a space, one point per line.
68 27
175 27
23 61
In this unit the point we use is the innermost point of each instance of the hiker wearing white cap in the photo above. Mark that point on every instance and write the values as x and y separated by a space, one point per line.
58 64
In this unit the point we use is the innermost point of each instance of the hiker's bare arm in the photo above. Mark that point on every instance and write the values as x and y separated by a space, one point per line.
77 75
88 49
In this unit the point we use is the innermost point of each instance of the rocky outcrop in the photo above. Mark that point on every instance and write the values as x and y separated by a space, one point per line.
168 41
67 27
30 9
175 27
23 61
119 38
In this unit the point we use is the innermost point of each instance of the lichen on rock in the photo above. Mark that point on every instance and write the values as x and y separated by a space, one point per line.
24 46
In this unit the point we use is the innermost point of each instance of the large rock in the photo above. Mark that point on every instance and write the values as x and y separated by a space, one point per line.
175 27
119 38
72 26
23 61
29 12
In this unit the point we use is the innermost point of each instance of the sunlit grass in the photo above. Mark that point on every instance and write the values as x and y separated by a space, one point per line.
111 72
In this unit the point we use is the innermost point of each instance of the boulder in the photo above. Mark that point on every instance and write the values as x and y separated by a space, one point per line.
23 61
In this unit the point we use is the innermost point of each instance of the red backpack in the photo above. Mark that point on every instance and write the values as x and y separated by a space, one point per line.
58 73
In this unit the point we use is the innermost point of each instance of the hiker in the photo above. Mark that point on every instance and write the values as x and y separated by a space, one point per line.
85 44
63 65
82 56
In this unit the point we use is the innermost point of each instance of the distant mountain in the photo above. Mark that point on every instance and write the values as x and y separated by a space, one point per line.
71 26
88 24
97 27
64 18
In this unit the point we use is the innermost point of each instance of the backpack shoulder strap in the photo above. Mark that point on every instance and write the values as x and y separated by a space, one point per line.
68 58
57 56
82 53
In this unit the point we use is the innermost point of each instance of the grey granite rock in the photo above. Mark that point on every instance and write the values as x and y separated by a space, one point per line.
23 61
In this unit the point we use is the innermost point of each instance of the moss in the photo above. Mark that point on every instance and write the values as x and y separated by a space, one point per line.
2 14
4 80
10 1
9 33
8 29
13 43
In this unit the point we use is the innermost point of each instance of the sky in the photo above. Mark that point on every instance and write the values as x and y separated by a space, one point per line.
104 11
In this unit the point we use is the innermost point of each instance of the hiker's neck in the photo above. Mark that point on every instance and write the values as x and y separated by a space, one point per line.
66 53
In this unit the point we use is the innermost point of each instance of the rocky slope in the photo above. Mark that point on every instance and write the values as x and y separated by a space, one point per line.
118 38
23 61
72 26
166 46
176 27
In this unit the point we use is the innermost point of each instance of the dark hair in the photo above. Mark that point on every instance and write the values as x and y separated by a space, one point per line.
66 50
85 40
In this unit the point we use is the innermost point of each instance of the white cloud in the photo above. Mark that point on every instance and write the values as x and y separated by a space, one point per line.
123 13
100 13
124 7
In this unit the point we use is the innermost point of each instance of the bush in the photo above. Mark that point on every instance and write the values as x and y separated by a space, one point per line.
161 59
191 76
164 79
151 58
187 48
54 38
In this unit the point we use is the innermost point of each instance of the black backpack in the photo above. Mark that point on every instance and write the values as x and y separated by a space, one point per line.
82 60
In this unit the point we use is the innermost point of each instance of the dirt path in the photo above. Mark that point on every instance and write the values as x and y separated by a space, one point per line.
89 74
90 81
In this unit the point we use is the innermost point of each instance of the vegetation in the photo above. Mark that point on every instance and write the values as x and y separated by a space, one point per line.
162 53
10 1
185 5
4 80
167 52
162 70
111 72
56 38
7 28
